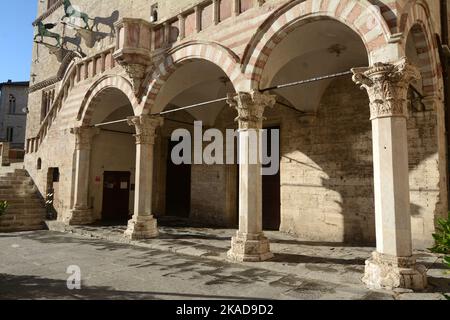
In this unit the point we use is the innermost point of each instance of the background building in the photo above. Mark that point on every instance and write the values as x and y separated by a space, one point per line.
13 106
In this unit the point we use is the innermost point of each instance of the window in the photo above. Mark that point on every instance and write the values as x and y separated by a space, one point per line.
50 3
12 104
154 13
9 134
47 101
39 164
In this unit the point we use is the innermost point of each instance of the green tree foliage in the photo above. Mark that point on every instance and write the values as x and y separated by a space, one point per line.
3 207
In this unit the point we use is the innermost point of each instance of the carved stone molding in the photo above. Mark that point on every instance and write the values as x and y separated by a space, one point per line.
47 13
59 76
145 126
250 107
389 272
136 72
83 137
387 85
133 49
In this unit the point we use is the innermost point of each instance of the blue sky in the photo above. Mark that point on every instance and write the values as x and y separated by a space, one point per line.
16 39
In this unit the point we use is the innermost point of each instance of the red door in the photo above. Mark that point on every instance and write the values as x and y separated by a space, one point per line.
116 196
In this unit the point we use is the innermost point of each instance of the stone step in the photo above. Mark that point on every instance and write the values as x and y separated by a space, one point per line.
26 206
24 200
16 173
26 210
6 181
13 194
32 218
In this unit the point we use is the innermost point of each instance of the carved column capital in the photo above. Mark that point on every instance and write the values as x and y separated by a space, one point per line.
83 137
145 126
387 85
250 107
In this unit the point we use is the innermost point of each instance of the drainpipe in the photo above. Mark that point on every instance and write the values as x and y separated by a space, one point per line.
445 60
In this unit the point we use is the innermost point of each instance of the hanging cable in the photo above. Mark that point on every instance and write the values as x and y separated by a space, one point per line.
202 104
287 85
108 123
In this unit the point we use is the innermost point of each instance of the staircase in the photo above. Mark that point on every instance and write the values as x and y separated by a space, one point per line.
26 210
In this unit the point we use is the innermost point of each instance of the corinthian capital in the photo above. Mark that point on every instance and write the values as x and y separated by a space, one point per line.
387 85
83 137
250 107
145 126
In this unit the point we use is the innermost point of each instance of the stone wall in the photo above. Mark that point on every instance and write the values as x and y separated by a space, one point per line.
327 173
326 168
57 151
110 152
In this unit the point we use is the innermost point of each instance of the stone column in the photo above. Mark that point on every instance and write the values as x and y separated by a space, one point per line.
81 213
392 265
250 244
143 225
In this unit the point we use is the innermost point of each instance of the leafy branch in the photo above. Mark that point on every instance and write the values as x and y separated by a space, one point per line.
3 207
442 241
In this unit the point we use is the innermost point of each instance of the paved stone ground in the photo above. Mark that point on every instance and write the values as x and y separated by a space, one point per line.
187 263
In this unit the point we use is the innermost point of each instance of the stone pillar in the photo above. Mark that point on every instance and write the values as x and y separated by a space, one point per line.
81 212
392 265
250 244
143 225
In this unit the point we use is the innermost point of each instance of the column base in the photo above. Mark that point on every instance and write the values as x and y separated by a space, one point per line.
249 248
390 272
142 227
80 217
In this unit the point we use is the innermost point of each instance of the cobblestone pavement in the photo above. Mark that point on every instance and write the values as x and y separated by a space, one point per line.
186 263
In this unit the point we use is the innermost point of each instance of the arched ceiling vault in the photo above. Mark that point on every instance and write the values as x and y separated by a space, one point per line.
318 48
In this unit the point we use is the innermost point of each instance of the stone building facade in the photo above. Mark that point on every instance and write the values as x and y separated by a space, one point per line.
13 104
357 166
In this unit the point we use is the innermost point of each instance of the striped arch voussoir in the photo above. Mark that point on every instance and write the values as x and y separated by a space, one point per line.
212 52
97 90
361 16
415 22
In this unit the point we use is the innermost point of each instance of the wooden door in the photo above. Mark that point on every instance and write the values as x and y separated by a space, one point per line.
178 187
271 194
116 196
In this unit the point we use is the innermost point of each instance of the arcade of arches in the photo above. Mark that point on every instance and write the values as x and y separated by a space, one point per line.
356 166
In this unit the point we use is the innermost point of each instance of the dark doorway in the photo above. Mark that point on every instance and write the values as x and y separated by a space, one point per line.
271 192
178 187
116 196
52 179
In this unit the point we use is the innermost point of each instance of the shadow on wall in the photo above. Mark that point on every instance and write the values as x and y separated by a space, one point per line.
336 180
333 177
98 22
